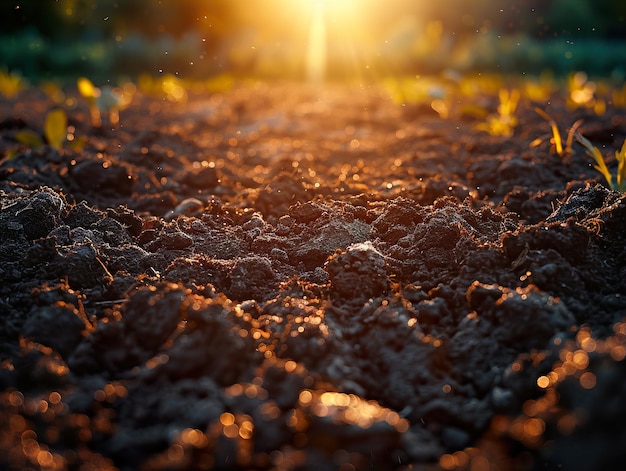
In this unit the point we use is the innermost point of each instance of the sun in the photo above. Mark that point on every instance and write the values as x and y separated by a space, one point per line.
331 24
339 7
333 7
348 16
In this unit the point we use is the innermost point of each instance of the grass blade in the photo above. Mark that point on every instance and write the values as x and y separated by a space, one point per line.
596 155
556 135
621 168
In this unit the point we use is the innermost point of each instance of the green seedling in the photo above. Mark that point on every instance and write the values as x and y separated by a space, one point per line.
600 166
556 140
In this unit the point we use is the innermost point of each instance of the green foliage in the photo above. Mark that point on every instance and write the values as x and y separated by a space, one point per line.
564 15
105 38
37 57
76 18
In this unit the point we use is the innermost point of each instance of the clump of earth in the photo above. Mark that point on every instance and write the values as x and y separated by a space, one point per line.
284 277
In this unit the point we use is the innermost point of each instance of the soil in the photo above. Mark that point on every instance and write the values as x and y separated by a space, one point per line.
284 277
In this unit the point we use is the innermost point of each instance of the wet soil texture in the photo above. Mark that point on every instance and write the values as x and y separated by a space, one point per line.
282 277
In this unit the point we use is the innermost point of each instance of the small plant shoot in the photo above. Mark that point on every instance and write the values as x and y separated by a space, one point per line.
503 122
55 128
556 140
29 138
11 84
105 102
619 184
54 132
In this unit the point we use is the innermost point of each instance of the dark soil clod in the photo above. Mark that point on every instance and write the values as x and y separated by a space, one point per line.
288 299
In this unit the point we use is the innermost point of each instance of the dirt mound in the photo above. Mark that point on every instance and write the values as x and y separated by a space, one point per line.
300 281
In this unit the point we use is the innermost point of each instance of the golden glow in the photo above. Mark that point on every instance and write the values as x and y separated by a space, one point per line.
323 40
316 48
334 29
334 7
326 14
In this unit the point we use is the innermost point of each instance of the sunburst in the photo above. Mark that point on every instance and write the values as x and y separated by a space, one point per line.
325 14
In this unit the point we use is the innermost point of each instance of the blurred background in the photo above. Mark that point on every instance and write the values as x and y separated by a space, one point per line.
62 39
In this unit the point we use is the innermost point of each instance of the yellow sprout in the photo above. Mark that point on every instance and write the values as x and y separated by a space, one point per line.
105 100
538 91
508 101
90 93
558 143
413 90
55 128
556 135
620 155
583 93
556 140
29 138
503 123
87 89
496 126
10 84
596 155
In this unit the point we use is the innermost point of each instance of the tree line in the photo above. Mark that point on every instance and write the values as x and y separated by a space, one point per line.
85 19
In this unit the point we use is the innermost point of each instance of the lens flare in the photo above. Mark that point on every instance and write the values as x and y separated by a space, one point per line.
332 22
316 48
